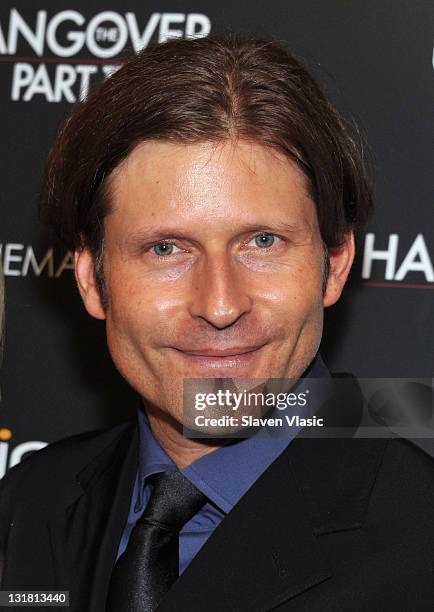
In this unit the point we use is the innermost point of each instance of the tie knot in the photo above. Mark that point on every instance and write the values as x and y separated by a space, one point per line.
174 500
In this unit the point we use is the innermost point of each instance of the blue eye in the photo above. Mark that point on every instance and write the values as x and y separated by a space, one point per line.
264 240
163 249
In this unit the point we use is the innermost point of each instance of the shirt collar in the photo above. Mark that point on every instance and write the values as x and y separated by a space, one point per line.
225 474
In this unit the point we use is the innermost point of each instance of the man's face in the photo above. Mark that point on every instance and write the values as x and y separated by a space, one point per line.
213 267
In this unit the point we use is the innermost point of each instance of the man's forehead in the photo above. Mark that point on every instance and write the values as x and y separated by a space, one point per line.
156 159
209 180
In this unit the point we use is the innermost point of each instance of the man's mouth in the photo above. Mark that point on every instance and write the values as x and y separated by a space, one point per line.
214 359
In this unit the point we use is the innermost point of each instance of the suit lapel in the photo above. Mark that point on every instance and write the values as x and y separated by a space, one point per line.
85 534
261 554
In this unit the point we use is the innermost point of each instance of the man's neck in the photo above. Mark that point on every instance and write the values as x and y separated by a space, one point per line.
168 432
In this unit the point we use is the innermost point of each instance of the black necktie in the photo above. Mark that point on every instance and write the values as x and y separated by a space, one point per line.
150 563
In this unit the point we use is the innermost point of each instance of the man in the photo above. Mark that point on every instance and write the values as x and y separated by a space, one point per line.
210 193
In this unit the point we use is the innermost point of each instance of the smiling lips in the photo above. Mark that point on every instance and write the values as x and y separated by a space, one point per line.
234 357
234 351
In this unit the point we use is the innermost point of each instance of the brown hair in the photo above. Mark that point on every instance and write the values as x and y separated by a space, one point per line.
208 89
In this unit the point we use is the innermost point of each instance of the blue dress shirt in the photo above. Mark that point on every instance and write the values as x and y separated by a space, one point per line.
223 475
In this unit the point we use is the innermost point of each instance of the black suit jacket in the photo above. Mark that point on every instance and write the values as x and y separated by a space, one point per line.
333 524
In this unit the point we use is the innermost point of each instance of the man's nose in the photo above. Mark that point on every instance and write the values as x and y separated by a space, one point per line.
219 293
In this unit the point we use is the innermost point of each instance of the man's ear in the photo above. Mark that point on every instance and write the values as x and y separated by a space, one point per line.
341 259
85 277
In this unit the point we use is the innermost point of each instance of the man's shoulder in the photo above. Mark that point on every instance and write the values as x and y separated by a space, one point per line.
402 475
407 458
339 476
51 466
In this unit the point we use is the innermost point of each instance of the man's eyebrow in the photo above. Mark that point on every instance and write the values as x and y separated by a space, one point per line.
147 234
